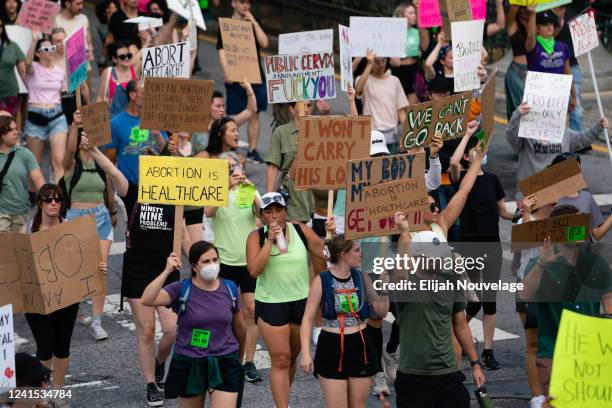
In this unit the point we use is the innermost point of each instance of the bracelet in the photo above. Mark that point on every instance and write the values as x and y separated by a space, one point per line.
433 157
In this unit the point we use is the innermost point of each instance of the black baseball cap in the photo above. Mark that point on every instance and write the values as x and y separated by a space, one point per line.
29 371
546 17
438 84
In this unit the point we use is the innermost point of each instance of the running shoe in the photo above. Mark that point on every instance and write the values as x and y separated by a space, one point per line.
380 384
489 361
391 364
536 402
154 397
250 372
160 370
98 332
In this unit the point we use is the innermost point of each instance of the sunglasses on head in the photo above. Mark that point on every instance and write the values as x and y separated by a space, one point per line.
49 200
47 48
273 199
125 57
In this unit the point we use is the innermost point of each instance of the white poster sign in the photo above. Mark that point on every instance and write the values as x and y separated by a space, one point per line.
182 8
301 77
166 61
548 97
7 349
467 50
306 42
584 33
385 35
145 23
346 68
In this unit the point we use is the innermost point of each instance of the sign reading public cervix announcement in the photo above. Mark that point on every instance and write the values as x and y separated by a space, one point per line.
324 145
183 181
303 77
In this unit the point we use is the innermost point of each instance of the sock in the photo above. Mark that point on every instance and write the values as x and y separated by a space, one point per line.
376 335
394 339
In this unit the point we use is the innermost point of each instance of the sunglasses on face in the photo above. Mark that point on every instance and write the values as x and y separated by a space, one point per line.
49 200
125 57
433 207
47 48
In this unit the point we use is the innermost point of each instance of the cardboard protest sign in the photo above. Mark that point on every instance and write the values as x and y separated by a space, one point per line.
7 349
96 123
306 42
187 8
240 50
429 14
181 105
10 286
487 102
145 23
166 61
23 38
325 144
564 228
548 97
55 268
467 49
183 181
38 15
447 116
346 68
76 59
304 77
385 35
362 219
552 183
406 195
542 5
459 10
584 33
581 368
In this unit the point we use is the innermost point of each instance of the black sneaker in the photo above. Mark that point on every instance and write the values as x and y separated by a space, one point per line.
488 360
160 370
250 372
154 397
253 155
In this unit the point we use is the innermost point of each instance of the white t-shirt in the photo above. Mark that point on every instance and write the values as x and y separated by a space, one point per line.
381 100
71 24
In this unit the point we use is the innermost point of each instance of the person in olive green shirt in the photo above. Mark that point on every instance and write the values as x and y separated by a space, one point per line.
11 56
280 157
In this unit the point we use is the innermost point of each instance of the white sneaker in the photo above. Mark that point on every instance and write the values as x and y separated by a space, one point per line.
98 332
84 320
536 402
380 384
316 331
391 364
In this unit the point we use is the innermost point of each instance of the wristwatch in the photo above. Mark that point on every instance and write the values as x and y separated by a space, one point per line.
476 362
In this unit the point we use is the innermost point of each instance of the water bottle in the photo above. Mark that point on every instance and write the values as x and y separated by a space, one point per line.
281 244
484 401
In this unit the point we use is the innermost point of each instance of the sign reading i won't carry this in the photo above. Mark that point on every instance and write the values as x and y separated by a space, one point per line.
183 181
303 77
76 59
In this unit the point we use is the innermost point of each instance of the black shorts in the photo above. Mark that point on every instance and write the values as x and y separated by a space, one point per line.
425 391
139 270
327 356
195 216
407 75
240 276
531 320
236 99
318 226
280 314
178 376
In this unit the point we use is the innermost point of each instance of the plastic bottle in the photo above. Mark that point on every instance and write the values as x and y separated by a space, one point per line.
281 244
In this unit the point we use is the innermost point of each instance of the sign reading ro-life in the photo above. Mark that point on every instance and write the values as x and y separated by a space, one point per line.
303 77
76 59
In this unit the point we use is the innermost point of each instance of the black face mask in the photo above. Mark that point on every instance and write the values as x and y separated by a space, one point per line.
155 15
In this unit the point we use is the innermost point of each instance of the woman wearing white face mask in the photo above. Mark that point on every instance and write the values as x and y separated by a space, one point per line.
211 330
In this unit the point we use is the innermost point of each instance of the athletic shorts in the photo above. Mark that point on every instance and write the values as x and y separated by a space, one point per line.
425 391
240 276
327 356
280 314
195 216
141 269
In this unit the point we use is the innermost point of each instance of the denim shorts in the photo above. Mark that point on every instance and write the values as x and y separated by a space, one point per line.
57 125
103 221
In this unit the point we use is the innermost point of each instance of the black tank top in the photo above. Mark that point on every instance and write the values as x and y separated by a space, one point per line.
517 40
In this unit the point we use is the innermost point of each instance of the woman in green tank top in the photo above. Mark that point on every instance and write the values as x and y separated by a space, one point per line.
277 255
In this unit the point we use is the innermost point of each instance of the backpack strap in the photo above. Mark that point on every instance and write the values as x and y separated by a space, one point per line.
232 290
328 305
7 164
300 231
262 237
180 304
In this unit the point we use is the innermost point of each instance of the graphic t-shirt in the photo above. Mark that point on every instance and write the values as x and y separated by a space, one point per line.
205 327
554 63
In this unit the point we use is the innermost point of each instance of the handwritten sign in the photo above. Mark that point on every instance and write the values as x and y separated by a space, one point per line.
183 181
176 104
346 68
306 42
76 59
55 268
429 14
581 369
459 10
554 182
325 144
146 23
447 116
385 35
7 349
187 9
542 5
38 15
467 49
96 123
548 97
240 50
295 78
362 209
166 61
584 33
406 195
564 228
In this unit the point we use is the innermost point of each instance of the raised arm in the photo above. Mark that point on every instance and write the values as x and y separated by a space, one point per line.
363 78
119 181
350 96
530 42
260 36
500 19
31 50
511 22
251 107
433 56
257 257
71 143
455 161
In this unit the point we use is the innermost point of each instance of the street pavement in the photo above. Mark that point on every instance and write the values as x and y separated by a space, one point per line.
106 374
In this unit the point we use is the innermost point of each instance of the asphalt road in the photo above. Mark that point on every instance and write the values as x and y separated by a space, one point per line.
106 374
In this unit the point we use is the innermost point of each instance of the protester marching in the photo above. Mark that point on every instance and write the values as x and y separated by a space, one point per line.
200 206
